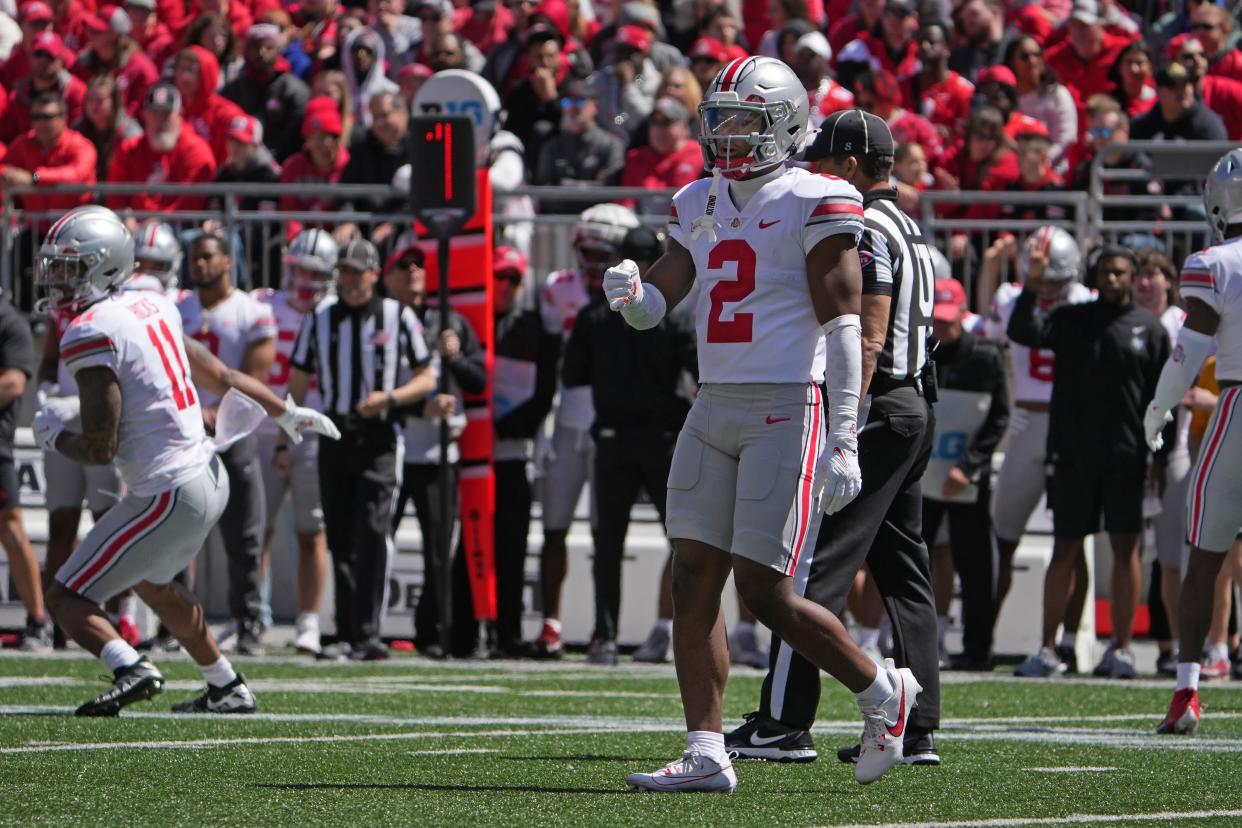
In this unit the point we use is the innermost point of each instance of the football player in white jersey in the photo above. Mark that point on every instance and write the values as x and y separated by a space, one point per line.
1211 288
567 460
310 270
157 260
138 380
239 331
1023 475
774 249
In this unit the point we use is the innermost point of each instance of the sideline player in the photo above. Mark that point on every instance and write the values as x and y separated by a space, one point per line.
1211 287
138 379
1023 475
157 260
777 313
310 264
570 456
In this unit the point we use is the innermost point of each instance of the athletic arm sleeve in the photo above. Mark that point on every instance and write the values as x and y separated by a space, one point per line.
843 337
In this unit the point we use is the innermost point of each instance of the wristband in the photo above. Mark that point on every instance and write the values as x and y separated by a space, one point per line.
647 313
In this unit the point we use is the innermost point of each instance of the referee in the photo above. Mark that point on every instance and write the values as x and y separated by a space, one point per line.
355 344
881 527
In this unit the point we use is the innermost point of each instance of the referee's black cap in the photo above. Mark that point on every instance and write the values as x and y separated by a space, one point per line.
850 132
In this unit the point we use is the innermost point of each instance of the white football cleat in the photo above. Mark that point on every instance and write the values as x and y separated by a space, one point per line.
884 727
692 772
307 640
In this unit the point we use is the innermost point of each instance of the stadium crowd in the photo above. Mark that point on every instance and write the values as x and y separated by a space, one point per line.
978 94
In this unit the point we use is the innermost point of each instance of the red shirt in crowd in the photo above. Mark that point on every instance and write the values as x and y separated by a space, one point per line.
158 43
209 113
1227 65
645 168
71 160
134 78
298 169
1086 77
189 162
844 30
1223 96
16 67
16 118
484 31
831 97
945 104
175 15
877 55
908 127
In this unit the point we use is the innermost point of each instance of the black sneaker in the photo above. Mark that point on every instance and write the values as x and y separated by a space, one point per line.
373 650
1166 663
918 748
335 652
38 636
765 738
1069 658
137 682
162 642
235 697
249 641
969 663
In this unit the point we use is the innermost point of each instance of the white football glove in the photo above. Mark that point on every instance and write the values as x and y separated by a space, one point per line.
297 419
46 391
622 285
844 479
1154 422
47 426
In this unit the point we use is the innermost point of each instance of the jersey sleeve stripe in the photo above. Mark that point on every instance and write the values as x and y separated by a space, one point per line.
1198 278
838 208
98 343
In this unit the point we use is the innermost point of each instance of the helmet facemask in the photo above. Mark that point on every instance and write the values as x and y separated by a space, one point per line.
308 286
738 138
63 277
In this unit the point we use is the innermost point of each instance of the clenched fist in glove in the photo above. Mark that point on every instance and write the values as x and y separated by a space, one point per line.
50 420
642 306
297 419
843 480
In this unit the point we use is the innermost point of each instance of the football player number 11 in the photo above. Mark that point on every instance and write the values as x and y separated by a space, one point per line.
741 327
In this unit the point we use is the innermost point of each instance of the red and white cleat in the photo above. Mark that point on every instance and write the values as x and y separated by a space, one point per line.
129 631
884 727
692 772
548 645
1183 715
1214 670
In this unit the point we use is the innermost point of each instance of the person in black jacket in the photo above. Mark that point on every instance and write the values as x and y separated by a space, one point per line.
641 403
268 90
1109 355
375 160
456 349
524 380
971 416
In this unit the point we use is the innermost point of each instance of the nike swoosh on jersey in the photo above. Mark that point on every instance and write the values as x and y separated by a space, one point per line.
774 420
764 225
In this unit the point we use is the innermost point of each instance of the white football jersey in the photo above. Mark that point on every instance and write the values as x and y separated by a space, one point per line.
288 320
64 377
228 329
138 335
143 281
1033 368
1212 276
564 294
753 314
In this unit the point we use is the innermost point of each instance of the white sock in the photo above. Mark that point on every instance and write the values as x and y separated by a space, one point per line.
879 691
220 674
869 638
128 608
664 625
744 628
710 744
1069 639
1187 675
1217 652
942 627
117 654
554 623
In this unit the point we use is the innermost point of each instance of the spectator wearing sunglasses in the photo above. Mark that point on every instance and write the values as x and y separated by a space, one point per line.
1084 58
1042 96
1107 127
1213 26
1222 95
583 153
669 158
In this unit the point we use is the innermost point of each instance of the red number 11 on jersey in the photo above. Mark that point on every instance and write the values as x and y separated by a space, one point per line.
183 391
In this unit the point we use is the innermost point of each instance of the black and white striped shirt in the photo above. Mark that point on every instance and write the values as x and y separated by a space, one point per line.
356 350
897 262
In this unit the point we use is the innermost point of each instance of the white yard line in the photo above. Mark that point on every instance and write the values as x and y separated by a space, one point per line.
1070 819
1071 770
458 752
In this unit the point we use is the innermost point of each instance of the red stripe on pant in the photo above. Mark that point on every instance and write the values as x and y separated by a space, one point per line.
143 522
1214 442
808 481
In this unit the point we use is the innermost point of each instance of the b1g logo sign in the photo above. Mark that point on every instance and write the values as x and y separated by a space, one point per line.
458 92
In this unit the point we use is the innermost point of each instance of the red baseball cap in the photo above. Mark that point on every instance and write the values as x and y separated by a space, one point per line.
999 74
406 244
322 115
508 260
734 52
636 37
246 129
950 300
36 10
50 43
710 48
110 18
414 70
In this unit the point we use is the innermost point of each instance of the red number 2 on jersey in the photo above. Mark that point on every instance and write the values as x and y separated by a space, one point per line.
1042 364
183 391
741 327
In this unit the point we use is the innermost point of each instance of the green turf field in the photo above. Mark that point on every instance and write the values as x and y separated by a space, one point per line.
411 742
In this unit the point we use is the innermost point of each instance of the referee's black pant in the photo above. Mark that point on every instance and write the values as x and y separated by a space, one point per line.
624 464
976 561
358 484
882 527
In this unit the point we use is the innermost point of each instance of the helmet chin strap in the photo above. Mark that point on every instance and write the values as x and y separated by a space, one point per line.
706 224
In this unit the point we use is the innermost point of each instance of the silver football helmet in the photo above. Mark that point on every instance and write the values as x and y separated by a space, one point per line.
1064 260
1222 194
754 116
310 267
157 252
598 235
86 255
